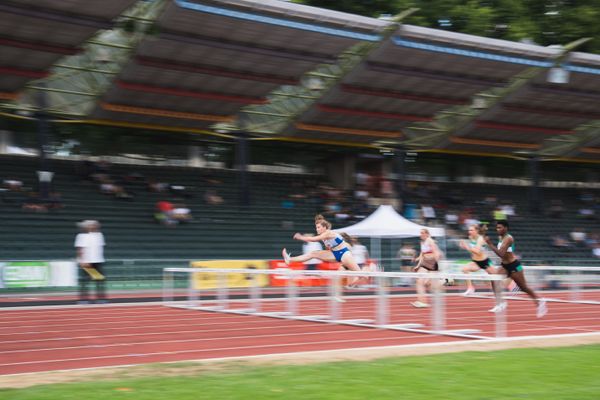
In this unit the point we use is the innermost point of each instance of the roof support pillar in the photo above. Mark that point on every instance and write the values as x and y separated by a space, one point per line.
242 152
44 172
534 190
400 172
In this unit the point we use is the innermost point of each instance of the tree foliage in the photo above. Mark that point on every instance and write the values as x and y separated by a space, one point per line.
544 22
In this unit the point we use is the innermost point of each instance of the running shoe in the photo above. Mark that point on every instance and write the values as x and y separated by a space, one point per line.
499 307
286 256
469 292
542 308
419 304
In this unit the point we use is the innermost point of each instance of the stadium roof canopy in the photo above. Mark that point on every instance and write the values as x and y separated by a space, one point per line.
286 71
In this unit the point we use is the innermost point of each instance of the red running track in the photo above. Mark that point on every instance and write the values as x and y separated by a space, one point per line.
45 339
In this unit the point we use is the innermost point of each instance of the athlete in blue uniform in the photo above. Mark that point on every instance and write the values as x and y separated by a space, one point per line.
337 249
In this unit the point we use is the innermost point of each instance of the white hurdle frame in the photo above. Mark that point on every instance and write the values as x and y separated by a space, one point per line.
574 278
291 298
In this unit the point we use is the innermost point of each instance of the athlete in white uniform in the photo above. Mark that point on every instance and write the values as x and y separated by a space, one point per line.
426 261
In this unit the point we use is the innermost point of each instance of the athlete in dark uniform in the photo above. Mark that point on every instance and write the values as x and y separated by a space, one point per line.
512 267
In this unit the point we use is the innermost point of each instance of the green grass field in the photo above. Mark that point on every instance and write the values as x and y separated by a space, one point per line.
571 373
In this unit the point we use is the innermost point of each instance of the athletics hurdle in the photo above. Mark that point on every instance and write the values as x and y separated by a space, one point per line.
380 320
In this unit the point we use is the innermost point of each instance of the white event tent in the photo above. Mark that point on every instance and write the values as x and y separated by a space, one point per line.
385 222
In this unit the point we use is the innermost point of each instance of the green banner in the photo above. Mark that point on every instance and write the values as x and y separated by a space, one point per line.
24 274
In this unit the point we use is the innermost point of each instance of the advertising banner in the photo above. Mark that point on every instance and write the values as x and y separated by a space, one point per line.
28 274
208 280
24 274
304 280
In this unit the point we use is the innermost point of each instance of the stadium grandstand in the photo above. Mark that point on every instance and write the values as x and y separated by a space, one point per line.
169 82
206 133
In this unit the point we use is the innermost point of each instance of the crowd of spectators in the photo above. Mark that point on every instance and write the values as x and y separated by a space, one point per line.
173 206
578 240
14 192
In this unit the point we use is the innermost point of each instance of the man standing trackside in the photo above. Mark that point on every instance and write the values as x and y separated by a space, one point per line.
90 257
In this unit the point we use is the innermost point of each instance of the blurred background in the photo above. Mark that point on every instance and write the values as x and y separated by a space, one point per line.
201 130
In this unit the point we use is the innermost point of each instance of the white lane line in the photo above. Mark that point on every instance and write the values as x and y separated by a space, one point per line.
177 332
175 341
269 346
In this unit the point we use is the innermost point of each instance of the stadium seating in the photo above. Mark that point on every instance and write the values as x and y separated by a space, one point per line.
139 247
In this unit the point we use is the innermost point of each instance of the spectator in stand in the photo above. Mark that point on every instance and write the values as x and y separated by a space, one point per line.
498 214
587 213
407 255
34 203
180 191
490 200
181 213
596 251
107 187
578 236
593 239
428 213
359 250
158 187
560 242
470 221
361 193
387 189
451 219
163 213
212 198
13 185
509 210
362 179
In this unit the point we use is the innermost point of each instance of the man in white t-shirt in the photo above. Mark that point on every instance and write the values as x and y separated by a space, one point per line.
90 254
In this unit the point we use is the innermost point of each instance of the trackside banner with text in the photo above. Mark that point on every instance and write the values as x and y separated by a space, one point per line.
27 274
208 280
